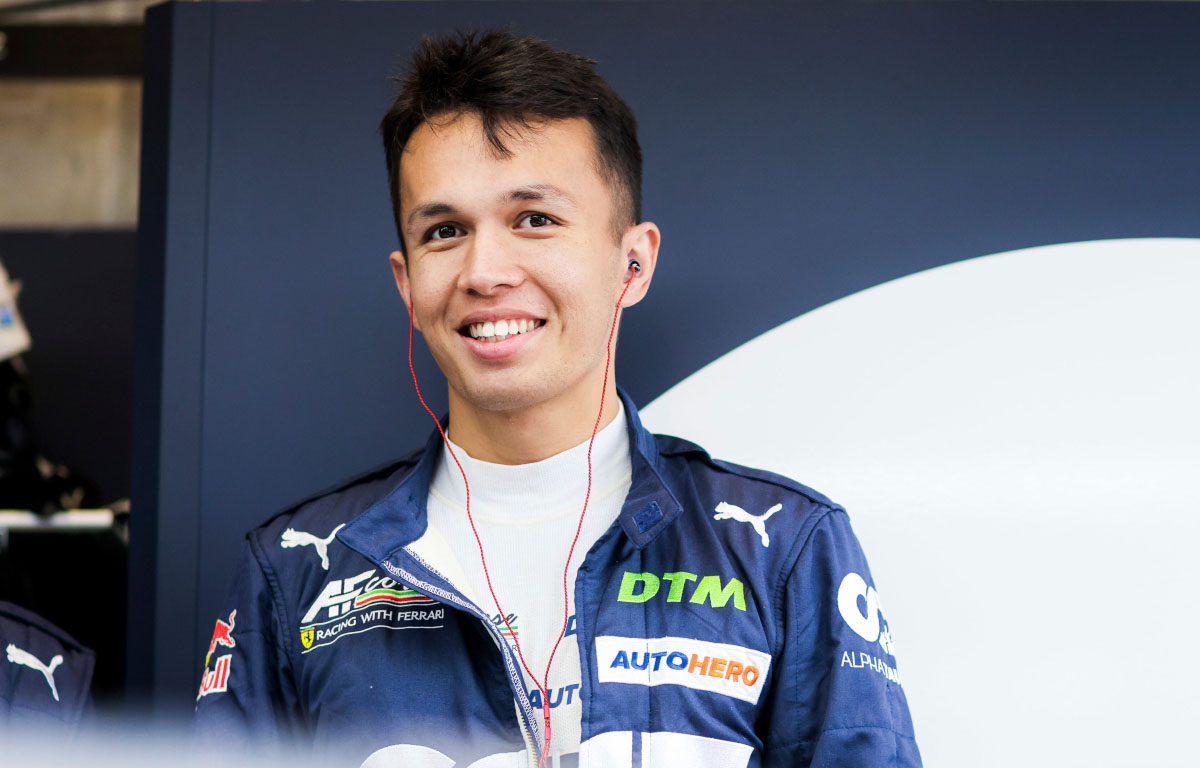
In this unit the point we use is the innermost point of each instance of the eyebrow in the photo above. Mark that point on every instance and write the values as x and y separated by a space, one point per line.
429 210
532 192
547 192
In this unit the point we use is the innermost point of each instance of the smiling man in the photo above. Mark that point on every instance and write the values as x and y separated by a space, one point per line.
558 586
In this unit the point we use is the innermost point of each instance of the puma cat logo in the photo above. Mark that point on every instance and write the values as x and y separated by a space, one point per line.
27 659
727 511
294 538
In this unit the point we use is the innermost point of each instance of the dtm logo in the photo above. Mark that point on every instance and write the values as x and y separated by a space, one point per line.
871 625
730 670
640 587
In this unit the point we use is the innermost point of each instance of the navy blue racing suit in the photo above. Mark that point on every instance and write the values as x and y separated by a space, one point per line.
727 618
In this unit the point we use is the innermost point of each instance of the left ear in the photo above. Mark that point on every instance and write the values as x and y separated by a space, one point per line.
640 242
400 271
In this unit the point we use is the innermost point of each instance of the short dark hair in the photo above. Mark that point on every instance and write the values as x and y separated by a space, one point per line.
514 81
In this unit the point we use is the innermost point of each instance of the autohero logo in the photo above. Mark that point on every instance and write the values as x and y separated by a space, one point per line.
364 602
730 670
859 605
640 587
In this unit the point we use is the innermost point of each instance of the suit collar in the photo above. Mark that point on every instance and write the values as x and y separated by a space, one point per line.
400 516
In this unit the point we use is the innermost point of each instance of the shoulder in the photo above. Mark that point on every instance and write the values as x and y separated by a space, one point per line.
319 516
776 511
678 452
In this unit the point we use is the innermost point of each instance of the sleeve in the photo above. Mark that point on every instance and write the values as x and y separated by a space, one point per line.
45 675
839 700
247 694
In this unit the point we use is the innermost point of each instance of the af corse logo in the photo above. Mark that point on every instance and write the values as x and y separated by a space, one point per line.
341 596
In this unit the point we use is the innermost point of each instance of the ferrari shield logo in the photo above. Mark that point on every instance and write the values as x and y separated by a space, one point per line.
306 637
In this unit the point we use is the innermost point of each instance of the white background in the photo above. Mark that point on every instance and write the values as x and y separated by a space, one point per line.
1016 440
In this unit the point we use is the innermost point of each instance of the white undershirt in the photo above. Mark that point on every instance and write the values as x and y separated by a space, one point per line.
526 515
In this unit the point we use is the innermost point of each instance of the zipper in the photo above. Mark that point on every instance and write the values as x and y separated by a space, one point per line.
530 750
516 681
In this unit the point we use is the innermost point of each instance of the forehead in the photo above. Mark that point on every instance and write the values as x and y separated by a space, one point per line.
450 160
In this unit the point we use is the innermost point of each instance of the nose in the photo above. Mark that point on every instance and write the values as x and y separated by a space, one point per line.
491 263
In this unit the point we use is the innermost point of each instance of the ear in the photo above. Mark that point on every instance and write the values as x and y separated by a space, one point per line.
400 271
640 242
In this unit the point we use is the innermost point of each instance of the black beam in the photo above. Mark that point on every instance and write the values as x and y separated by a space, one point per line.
79 50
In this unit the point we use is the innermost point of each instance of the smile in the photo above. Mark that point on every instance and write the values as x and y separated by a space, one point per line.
501 329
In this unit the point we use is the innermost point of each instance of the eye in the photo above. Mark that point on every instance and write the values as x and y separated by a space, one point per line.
443 232
536 220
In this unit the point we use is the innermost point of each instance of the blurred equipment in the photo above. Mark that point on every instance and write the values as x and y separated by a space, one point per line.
27 480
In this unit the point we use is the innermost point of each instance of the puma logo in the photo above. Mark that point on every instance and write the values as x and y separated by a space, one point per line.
27 659
294 538
727 511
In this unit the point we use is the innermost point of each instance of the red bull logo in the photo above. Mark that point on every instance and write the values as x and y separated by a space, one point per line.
222 635
216 680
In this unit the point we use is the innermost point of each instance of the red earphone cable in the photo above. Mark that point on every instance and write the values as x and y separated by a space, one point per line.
542 686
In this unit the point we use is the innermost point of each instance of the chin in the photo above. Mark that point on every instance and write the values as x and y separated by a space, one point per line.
505 396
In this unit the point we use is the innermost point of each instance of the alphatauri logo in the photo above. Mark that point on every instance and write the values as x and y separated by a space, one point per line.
869 625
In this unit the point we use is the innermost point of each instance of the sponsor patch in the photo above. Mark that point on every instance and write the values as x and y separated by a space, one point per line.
364 602
727 511
505 623
640 587
293 538
216 680
869 624
730 670
222 635
24 658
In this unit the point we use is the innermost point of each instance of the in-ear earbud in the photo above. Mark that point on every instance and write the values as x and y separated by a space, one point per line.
635 269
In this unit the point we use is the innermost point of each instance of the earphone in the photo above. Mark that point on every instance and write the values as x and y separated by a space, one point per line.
542 685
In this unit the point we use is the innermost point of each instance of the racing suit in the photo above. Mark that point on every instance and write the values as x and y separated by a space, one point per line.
727 618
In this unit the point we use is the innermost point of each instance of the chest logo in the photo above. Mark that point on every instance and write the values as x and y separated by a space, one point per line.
727 511
730 670
362 603
640 587
27 659
293 538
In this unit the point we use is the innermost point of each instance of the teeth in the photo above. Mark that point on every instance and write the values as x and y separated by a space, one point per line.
501 329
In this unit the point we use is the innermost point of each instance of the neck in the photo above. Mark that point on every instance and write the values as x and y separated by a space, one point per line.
533 433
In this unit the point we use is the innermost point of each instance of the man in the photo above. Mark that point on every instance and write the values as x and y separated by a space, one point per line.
721 616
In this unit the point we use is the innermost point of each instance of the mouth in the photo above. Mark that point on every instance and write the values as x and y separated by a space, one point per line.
499 330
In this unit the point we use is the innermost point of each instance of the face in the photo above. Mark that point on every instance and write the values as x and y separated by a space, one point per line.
513 268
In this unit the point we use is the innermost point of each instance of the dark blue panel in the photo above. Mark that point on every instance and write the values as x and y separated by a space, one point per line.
168 393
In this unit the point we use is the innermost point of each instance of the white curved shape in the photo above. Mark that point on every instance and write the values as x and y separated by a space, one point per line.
1016 439
407 756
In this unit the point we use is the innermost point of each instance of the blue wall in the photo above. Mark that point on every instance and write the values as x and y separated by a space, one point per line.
794 154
